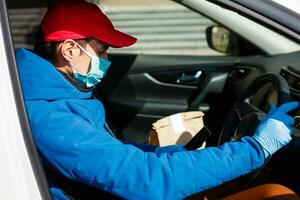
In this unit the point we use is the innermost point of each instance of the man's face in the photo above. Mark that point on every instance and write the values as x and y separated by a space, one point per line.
79 60
83 62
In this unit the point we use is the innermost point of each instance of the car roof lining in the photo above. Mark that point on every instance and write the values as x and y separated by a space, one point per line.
279 21
26 4
274 11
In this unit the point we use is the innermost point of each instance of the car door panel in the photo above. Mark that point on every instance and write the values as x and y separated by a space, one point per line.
142 89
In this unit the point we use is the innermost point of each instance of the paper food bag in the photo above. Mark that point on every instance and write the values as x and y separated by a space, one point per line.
176 129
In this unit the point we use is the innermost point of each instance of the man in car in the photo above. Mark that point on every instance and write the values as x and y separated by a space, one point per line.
75 143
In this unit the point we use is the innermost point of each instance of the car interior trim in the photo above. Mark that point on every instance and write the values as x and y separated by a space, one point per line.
149 77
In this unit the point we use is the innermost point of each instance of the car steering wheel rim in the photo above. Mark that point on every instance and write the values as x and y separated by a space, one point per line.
242 106
243 109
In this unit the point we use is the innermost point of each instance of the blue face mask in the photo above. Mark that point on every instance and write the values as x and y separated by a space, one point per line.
98 70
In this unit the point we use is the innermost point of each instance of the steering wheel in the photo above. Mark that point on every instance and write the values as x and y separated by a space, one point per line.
244 117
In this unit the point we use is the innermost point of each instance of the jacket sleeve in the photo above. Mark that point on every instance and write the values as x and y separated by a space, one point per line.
157 149
91 155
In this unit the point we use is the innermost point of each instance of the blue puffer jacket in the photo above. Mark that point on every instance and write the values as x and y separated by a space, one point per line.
68 129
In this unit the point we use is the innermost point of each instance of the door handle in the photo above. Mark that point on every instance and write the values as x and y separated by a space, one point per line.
189 77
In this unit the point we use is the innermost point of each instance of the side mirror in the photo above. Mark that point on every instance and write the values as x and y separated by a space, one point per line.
222 40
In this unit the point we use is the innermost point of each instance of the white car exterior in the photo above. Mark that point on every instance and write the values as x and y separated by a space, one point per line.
17 180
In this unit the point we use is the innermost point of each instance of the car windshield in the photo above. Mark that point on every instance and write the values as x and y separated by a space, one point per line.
289 4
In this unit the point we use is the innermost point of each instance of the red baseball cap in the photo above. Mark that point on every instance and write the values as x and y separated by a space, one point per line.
76 19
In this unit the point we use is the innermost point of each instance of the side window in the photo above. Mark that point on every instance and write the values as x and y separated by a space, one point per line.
161 26
25 23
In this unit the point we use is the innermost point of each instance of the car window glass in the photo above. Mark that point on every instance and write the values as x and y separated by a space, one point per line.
161 26
24 24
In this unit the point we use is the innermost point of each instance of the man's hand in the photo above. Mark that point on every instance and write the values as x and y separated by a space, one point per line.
275 130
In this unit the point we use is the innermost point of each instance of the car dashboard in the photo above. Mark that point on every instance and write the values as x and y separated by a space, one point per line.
285 164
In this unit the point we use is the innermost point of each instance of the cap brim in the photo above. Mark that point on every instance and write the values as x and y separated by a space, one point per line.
117 39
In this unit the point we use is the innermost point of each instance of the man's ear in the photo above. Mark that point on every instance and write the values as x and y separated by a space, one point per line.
68 50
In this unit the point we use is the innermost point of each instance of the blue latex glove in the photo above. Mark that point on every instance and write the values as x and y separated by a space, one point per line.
275 130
